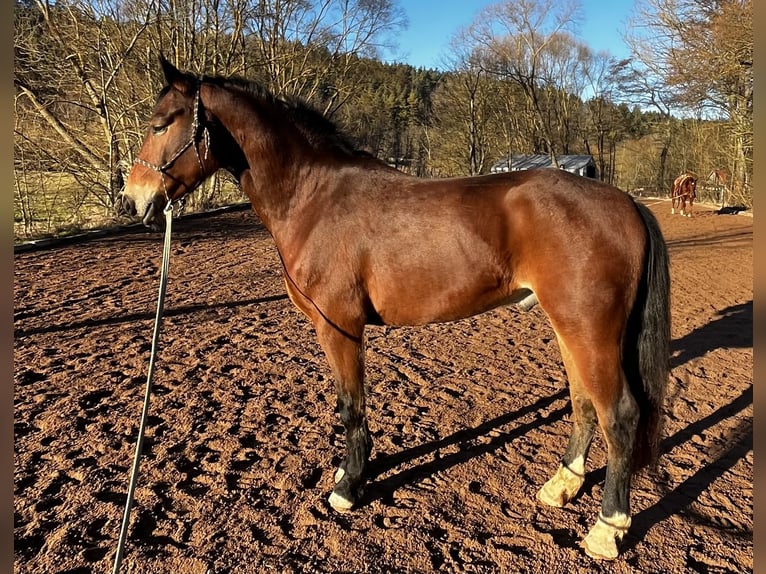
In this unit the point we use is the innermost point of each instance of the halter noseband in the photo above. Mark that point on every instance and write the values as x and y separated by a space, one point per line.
193 139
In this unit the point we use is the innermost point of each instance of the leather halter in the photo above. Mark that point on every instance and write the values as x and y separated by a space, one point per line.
195 137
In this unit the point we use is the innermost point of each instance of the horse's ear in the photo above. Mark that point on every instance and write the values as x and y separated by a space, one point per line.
171 73
174 76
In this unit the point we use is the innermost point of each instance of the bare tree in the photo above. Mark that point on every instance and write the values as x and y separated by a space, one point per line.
519 39
564 72
717 72
641 80
74 83
296 39
462 102
86 72
602 125
696 56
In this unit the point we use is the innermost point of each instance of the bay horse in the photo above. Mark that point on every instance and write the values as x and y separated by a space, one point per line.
684 190
362 243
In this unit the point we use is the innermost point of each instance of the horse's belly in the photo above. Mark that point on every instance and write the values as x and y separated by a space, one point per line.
424 298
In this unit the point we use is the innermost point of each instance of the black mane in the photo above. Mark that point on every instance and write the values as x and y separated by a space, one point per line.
319 131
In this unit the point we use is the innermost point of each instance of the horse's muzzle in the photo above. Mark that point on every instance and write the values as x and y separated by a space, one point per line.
151 216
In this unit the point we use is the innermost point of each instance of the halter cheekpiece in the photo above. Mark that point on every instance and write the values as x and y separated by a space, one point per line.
195 137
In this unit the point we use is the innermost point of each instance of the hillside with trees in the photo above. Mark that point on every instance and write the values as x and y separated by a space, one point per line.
517 80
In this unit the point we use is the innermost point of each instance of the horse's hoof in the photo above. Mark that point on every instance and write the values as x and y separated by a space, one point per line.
551 496
601 542
339 474
560 489
339 503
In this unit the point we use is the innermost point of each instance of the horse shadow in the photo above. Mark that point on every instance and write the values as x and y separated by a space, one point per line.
678 499
722 239
673 501
136 317
733 328
382 463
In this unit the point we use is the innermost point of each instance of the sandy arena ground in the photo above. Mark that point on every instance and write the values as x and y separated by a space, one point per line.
469 420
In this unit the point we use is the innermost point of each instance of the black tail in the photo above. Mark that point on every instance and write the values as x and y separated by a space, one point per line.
647 343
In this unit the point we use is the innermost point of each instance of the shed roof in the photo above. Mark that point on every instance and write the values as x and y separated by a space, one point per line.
531 161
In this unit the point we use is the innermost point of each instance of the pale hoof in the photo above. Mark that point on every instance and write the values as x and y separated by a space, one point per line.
339 474
601 542
560 489
339 503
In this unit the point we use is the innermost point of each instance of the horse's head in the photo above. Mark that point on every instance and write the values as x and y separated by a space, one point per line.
175 155
690 185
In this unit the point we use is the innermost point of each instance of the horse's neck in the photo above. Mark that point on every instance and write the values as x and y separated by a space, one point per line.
275 161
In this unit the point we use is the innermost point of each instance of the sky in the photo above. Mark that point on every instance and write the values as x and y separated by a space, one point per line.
432 23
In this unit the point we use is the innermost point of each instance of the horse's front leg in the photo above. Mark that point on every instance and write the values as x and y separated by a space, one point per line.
345 353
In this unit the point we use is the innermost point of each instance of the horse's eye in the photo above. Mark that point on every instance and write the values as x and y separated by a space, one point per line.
158 130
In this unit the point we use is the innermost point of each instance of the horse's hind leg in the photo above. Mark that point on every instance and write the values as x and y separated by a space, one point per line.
596 374
345 353
618 419
570 475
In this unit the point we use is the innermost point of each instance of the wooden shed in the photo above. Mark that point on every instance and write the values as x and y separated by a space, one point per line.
578 164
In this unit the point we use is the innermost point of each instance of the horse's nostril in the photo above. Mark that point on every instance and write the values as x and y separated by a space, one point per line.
126 206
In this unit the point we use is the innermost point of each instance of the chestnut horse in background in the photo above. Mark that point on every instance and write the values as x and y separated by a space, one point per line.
364 244
684 190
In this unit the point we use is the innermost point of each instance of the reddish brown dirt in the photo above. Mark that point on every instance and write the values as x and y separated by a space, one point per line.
469 420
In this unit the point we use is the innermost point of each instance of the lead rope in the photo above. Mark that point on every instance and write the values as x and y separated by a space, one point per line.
145 413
